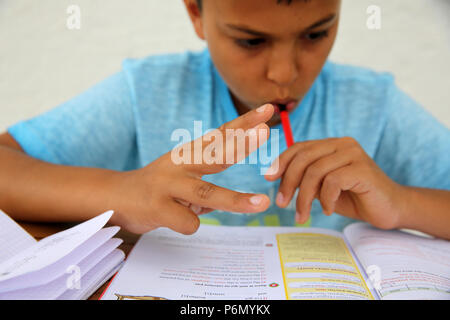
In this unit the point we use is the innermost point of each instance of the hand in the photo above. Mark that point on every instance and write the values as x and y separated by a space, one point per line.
342 176
166 194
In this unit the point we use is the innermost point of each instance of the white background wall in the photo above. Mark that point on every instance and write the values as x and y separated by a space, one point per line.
42 63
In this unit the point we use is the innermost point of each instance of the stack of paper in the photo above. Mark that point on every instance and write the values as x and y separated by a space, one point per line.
71 264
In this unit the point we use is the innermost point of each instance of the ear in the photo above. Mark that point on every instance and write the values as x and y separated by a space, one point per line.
196 17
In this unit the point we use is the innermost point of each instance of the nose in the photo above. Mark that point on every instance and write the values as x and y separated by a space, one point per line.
282 68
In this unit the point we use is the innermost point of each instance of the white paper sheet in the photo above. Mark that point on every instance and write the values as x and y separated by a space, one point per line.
13 238
51 249
66 281
96 277
406 266
55 270
199 266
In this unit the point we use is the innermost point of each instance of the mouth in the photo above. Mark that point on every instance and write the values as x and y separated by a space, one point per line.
285 104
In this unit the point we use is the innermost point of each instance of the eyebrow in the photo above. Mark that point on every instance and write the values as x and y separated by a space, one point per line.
245 29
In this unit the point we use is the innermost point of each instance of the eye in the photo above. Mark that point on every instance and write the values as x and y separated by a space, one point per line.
315 36
250 43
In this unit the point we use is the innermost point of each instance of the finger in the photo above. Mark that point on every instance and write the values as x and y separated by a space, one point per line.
251 119
330 192
207 195
249 130
178 217
196 209
301 217
205 211
295 170
183 202
219 149
314 175
280 164
237 145
336 182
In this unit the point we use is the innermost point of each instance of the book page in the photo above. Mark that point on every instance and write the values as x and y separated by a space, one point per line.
65 281
59 268
220 262
13 238
96 277
49 250
214 263
67 265
320 266
402 265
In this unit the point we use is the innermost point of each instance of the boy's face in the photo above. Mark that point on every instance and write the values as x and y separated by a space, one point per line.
267 51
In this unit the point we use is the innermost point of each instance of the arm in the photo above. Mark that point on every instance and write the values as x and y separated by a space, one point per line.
59 166
347 181
405 184
35 190
161 194
427 210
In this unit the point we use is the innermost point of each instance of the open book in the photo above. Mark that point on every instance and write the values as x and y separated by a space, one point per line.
71 264
266 263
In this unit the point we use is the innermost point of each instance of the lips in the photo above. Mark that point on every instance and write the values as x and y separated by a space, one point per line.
289 104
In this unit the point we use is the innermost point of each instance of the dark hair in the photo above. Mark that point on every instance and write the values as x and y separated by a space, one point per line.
199 3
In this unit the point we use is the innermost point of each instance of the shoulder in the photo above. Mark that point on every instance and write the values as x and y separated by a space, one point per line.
374 92
167 64
357 102
357 82
358 94
184 75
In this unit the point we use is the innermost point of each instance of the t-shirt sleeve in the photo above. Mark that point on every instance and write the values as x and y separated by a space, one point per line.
95 129
414 148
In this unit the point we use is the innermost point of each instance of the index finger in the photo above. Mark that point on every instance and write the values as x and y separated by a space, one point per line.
208 195
251 119
217 150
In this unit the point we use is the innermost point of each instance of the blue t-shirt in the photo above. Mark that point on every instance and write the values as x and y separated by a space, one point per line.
127 121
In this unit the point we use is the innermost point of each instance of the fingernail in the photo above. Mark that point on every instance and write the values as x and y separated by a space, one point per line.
261 109
256 200
196 209
273 169
280 198
297 217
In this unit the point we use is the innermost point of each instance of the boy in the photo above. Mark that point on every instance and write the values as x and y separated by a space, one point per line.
364 149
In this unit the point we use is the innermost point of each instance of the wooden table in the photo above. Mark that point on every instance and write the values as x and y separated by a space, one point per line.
42 230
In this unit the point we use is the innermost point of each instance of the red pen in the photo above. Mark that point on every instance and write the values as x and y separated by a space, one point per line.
286 125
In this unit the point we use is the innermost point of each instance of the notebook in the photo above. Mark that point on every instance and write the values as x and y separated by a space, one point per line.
278 263
68 265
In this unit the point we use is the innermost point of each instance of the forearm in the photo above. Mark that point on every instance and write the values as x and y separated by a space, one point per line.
426 210
33 190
